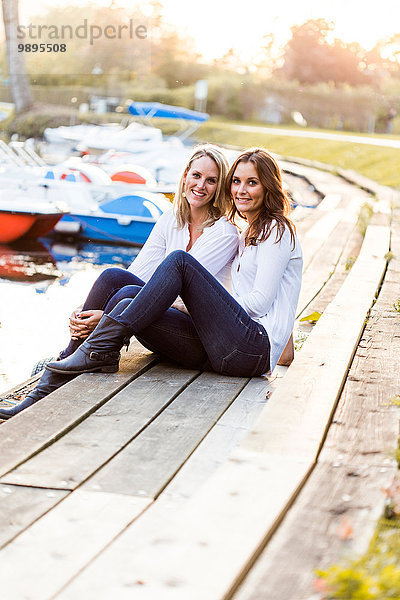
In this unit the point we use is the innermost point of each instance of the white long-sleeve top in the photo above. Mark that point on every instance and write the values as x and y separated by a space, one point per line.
214 249
266 281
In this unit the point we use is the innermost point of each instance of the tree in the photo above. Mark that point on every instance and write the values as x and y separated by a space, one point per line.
309 57
19 81
306 57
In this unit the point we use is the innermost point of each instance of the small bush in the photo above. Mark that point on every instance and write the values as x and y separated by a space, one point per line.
33 122
350 262
364 217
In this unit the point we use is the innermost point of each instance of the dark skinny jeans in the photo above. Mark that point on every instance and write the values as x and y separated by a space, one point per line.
115 284
219 334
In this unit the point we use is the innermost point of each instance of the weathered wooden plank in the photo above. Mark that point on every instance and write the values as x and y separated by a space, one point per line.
305 219
21 506
146 465
80 452
321 178
323 265
194 552
38 426
325 296
314 239
43 558
315 378
224 437
366 430
386 193
333 518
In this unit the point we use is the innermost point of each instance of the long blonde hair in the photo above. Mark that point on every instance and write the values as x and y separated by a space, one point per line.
276 206
217 207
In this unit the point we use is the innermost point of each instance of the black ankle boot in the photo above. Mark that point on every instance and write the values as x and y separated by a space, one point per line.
99 352
47 384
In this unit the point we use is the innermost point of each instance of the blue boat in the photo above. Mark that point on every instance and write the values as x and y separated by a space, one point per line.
190 120
127 219
150 110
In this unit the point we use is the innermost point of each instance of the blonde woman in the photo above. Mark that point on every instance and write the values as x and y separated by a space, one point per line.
196 224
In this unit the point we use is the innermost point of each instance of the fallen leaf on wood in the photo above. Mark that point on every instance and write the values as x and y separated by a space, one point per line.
313 318
345 530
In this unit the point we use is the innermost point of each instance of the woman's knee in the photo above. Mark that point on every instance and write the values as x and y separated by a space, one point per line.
127 292
119 307
111 276
177 256
180 259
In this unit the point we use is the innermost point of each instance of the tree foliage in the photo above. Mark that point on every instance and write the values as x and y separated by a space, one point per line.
309 57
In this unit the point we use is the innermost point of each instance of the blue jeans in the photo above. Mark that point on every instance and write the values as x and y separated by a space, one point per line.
218 334
108 283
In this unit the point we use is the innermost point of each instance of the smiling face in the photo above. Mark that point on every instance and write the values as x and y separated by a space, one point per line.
247 191
200 182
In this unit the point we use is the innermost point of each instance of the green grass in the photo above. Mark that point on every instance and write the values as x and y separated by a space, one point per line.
374 576
377 163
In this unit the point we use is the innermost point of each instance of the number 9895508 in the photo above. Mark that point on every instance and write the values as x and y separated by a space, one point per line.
42 47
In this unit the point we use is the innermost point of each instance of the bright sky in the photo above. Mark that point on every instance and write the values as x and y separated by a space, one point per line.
218 25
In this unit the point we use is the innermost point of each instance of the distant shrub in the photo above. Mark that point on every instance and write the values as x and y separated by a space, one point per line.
33 122
364 217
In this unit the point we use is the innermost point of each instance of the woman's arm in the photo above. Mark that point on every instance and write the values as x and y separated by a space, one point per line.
216 248
153 251
272 260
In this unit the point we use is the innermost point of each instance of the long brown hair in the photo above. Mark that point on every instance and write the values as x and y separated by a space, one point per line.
220 204
276 205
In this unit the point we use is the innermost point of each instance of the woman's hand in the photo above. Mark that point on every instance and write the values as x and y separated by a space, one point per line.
82 323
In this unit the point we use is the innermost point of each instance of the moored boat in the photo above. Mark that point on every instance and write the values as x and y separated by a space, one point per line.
26 219
125 219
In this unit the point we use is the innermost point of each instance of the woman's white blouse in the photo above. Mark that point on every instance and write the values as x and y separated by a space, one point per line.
214 249
266 281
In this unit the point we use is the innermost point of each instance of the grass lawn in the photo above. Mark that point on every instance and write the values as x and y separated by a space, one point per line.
376 162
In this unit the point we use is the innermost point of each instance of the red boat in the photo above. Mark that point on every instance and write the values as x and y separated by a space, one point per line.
27 220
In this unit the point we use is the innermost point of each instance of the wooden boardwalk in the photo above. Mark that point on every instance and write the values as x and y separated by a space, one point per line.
163 483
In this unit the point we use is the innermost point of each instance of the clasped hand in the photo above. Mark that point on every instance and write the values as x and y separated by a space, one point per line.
82 323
